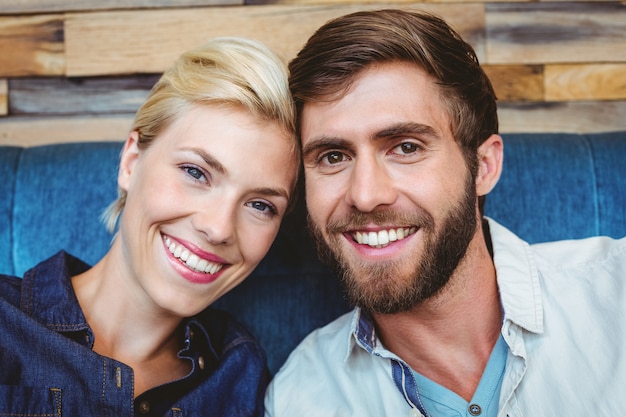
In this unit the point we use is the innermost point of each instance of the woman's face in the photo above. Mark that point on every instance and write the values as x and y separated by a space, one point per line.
205 201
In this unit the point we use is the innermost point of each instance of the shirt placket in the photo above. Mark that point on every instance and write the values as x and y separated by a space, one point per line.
406 384
400 372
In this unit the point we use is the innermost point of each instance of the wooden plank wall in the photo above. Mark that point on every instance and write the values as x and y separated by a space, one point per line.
74 70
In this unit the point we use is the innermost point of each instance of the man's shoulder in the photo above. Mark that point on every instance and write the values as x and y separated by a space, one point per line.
326 344
321 355
560 255
586 250
327 375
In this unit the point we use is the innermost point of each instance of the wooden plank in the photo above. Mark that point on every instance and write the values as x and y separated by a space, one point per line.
580 117
149 40
395 3
4 106
41 96
47 6
585 82
516 82
536 33
31 131
576 117
31 45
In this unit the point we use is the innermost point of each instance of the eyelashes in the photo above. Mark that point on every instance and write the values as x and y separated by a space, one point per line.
199 175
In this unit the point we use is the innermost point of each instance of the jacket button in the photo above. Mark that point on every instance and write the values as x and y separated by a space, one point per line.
144 407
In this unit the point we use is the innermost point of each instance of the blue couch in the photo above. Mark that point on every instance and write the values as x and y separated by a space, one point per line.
554 186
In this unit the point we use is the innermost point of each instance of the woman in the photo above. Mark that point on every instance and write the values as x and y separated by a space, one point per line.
205 177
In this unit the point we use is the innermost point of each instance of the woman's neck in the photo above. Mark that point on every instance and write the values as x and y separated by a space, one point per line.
128 327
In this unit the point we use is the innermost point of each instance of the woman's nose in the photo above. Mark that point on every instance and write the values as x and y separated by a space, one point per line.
217 223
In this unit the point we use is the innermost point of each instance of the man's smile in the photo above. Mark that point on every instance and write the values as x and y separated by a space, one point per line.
382 238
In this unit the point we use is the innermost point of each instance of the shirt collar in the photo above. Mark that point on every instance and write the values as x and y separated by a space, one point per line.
518 279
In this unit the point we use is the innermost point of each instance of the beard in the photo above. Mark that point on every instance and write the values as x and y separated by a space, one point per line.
386 287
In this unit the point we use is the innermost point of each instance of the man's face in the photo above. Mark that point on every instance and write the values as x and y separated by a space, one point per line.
390 198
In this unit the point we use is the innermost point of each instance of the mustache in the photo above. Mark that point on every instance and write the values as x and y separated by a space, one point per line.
359 220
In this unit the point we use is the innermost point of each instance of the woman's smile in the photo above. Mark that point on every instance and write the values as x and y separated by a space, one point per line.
193 265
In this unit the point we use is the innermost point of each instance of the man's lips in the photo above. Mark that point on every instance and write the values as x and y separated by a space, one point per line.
382 238
191 260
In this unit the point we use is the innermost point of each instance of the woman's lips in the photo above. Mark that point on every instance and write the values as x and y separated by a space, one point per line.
190 259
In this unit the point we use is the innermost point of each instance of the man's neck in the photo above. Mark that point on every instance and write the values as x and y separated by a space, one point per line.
449 338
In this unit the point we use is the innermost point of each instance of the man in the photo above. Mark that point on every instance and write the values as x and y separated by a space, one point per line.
455 315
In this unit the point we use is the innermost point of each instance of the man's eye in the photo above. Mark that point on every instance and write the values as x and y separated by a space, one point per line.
407 148
334 157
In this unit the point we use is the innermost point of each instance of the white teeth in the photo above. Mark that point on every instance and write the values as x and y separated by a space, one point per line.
193 261
382 238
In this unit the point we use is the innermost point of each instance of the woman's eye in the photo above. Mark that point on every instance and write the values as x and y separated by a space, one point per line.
263 207
194 172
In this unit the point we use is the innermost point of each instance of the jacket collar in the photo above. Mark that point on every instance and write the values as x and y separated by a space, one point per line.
48 295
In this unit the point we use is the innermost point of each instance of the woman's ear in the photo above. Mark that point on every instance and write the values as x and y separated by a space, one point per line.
128 160
490 157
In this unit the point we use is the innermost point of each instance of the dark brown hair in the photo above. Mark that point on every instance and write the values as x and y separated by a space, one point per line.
339 50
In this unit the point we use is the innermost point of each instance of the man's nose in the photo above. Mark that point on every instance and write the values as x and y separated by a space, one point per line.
370 185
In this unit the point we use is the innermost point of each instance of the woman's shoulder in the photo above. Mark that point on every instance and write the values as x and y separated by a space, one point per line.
222 328
10 289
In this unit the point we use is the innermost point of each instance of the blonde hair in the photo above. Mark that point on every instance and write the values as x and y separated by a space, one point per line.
228 71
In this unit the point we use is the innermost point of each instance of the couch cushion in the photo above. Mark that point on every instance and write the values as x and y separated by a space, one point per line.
59 205
566 190
9 158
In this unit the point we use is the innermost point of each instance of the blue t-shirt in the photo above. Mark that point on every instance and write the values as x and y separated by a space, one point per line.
441 402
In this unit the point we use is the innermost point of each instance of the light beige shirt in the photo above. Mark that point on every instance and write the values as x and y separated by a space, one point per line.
564 323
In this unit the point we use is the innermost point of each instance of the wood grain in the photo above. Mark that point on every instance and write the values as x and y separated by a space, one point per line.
4 106
534 117
149 40
556 32
31 131
31 45
46 6
516 82
585 82
56 96
581 117
79 69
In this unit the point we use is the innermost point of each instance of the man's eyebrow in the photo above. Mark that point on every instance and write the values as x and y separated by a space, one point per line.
324 142
407 128
209 159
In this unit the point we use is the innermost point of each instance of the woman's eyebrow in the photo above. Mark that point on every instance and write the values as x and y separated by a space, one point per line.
272 192
209 159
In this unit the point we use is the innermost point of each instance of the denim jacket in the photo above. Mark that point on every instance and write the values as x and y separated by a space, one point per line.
48 367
